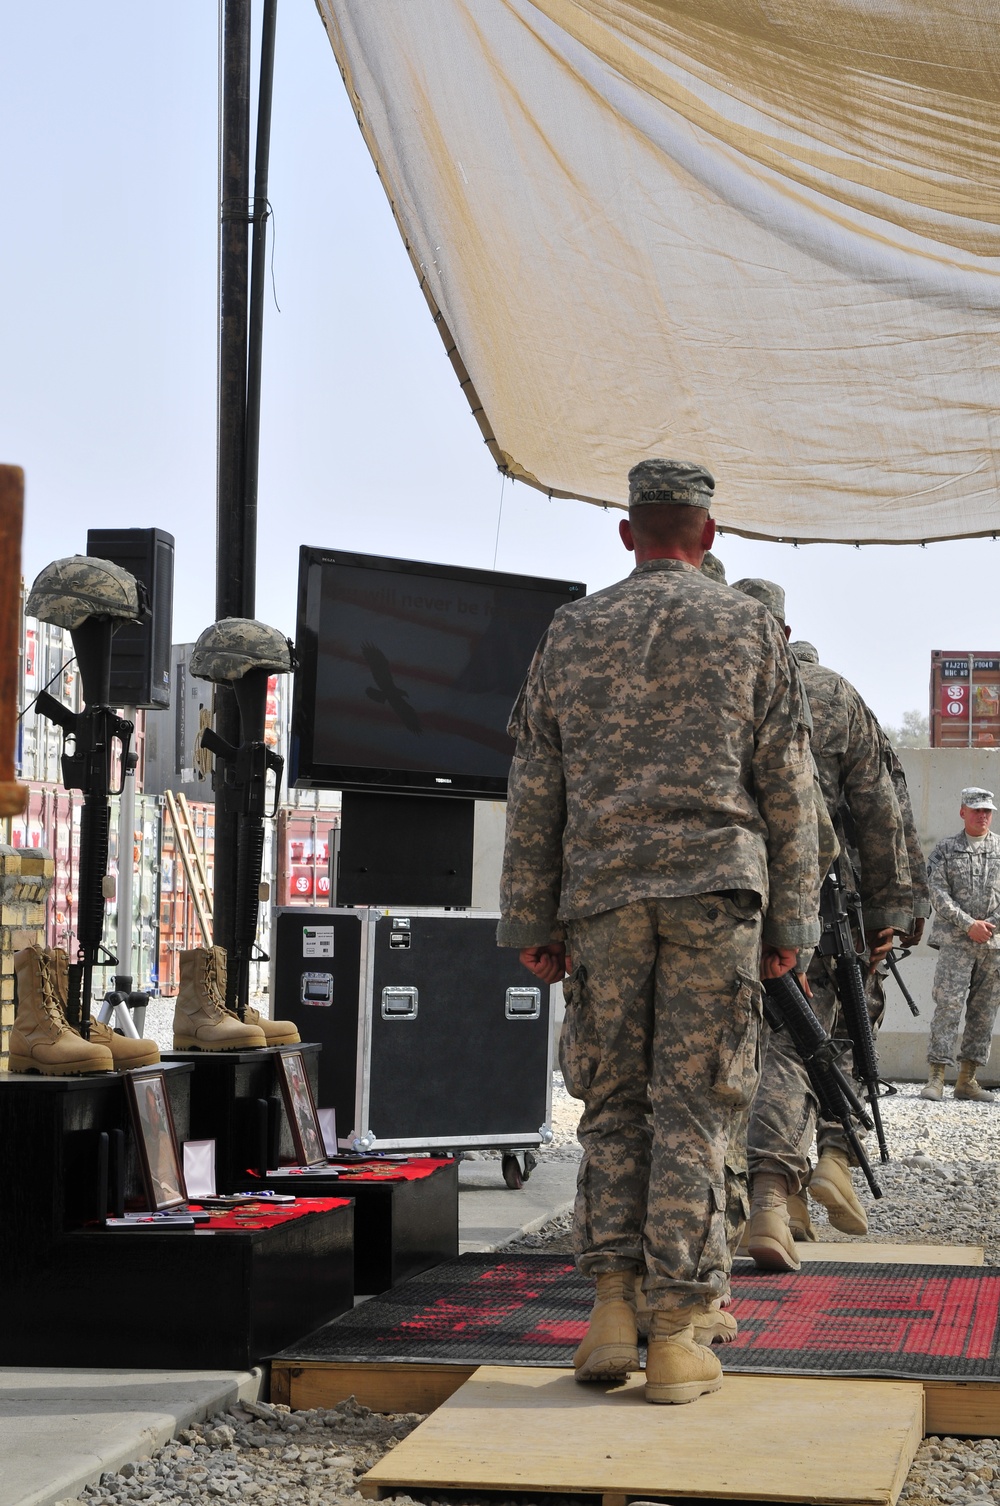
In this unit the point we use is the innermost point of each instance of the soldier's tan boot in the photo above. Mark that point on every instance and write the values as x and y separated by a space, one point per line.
201 1020
678 1368
276 1032
42 1039
799 1221
769 1235
125 1052
934 1090
712 1324
610 1347
831 1185
967 1087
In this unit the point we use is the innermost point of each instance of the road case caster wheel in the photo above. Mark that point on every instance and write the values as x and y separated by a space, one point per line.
512 1172
530 1162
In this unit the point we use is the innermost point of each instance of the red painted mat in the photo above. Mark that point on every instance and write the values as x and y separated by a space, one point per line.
911 1322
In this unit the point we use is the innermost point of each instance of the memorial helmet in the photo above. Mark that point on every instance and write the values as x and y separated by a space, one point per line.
69 592
229 649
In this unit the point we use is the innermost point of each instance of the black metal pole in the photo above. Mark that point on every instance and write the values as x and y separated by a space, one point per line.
234 593
258 271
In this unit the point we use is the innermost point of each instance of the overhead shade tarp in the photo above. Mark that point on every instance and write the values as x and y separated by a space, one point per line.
760 234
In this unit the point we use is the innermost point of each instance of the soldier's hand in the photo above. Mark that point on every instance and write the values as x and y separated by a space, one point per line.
775 961
803 983
547 962
912 938
981 930
879 946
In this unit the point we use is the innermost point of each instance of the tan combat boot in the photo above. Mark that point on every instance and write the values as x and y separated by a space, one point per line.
769 1236
935 1082
799 1221
967 1086
201 1020
678 1368
610 1347
712 1324
42 1039
831 1185
276 1032
125 1052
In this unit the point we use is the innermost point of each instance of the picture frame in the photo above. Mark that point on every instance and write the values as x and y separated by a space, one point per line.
156 1140
300 1107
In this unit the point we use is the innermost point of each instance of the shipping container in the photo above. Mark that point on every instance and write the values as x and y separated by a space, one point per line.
965 699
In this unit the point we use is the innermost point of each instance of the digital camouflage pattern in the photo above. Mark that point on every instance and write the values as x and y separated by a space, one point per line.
853 766
968 973
70 590
804 652
919 887
661 1041
964 881
713 567
671 481
766 592
661 751
226 650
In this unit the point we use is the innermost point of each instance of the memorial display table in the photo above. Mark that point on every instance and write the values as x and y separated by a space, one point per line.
405 1217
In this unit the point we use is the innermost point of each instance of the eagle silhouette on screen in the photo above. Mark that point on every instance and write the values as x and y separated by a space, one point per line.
388 692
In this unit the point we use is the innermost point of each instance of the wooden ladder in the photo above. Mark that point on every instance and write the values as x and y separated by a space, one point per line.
193 861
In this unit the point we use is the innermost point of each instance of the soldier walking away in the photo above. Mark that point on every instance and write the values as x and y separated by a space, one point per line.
661 848
964 877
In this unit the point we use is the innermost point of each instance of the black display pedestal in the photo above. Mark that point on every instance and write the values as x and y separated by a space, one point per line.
400 1228
76 1296
236 1101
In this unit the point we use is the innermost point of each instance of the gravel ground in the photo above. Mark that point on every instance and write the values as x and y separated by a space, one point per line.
942 1187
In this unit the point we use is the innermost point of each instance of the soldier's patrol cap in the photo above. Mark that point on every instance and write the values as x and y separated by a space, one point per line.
71 590
713 567
766 592
978 800
677 481
230 648
804 652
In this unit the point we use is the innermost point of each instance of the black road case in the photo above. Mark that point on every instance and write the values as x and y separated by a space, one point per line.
432 1035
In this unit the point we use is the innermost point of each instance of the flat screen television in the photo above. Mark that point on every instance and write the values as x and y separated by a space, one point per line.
408 671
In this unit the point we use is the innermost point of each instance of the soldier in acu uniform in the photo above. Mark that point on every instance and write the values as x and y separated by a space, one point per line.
660 826
964 877
850 752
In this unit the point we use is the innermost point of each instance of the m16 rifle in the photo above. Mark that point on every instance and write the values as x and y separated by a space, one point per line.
91 597
243 654
837 943
787 1008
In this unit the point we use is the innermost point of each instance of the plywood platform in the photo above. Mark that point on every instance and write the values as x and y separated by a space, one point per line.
515 1429
872 1254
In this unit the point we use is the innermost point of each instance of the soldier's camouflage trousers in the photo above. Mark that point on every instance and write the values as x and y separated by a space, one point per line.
969 974
783 1121
662 1042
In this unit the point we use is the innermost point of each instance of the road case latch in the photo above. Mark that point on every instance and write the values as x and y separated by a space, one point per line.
524 1004
399 1003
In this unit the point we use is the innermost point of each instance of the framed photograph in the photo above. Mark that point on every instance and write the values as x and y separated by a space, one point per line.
156 1140
300 1107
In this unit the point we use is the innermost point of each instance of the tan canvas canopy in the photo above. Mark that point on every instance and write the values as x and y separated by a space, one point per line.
759 234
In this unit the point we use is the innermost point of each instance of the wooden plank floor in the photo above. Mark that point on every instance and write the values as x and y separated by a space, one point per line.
519 1429
864 1254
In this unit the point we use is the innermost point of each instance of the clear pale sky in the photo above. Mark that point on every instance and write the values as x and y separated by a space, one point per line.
107 371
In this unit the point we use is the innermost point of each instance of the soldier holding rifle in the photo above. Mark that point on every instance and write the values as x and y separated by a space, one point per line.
661 847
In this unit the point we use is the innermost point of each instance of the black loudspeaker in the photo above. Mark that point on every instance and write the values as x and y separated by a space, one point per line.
140 651
405 850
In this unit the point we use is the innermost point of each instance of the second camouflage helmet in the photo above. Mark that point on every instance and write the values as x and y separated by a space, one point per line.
229 649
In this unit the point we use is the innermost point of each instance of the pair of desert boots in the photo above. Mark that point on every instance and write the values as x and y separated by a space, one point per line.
42 1038
680 1365
201 1020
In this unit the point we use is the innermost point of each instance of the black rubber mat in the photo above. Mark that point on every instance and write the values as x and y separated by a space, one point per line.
915 1322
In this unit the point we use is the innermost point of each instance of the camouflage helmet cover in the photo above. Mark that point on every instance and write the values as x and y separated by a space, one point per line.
766 592
69 591
804 652
227 650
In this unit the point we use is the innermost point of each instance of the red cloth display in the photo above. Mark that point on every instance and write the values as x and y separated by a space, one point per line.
264 1214
414 1169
